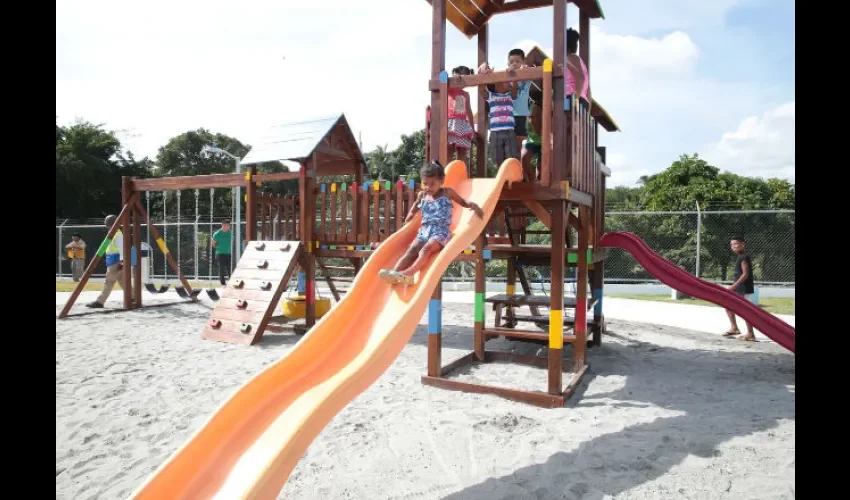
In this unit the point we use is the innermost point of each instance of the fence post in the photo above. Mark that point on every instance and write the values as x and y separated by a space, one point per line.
699 232
197 216
61 253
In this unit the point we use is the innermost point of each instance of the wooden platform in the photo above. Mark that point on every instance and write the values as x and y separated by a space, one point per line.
253 292
504 304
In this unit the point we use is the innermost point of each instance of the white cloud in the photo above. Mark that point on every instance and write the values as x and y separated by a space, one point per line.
160 68
761 146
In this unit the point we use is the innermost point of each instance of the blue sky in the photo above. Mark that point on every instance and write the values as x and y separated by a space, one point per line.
678 76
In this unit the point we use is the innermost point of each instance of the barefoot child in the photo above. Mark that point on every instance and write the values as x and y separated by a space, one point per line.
460 129
435 202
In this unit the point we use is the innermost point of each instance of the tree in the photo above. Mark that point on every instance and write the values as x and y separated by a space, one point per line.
89 165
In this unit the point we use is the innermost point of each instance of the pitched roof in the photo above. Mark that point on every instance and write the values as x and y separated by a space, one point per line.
329 136
469 16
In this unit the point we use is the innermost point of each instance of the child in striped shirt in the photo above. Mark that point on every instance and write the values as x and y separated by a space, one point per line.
500 99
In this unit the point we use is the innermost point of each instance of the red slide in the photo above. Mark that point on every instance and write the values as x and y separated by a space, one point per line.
675 277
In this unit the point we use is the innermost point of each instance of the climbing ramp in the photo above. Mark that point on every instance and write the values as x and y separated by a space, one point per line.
248 301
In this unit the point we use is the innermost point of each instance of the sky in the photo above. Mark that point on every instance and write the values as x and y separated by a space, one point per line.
714 78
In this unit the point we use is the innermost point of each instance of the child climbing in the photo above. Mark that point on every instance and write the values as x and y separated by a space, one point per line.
435 202
460 129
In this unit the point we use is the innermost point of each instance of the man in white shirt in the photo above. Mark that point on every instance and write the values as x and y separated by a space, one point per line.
114 257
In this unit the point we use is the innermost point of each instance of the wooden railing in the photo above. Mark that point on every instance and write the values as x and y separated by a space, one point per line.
584 172
351 214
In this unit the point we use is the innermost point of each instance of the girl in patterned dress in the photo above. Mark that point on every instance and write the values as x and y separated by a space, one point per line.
460 130
435 202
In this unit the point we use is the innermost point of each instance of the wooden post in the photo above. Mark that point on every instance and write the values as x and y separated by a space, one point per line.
94 262
580 345
584 41
308 211
546 133
480 289
559 120
127 270
438 64
137 240
481 121
250 205
556 296
598 280
444 122
435 328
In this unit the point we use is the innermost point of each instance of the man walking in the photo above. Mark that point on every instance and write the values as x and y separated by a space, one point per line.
114 258
222 241
744 284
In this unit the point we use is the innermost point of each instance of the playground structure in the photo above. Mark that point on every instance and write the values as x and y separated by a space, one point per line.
248 448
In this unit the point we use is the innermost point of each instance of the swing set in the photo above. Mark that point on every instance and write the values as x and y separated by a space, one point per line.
130 219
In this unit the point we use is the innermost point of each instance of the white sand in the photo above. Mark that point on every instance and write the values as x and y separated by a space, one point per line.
664 413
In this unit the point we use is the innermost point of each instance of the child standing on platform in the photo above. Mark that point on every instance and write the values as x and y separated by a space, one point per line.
460 128
435 202
500 99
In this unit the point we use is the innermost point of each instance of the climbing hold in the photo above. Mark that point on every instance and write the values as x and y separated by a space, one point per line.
263 264
260 246
242 304
265 285
285 248
237 283
244 328
214 323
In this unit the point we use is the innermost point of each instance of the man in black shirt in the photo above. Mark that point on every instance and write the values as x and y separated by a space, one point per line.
743 284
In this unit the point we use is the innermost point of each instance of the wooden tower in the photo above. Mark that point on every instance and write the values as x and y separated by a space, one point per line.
570 195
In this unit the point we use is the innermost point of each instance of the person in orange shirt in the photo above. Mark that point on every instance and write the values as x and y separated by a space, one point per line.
77 253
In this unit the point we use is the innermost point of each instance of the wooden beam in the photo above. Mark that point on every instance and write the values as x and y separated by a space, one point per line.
519 5
519 75
481 125
279 176
539 211
332 151
438 64
188 182
559 120
534 191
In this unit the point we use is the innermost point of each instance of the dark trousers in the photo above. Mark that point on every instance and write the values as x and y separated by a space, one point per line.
223 267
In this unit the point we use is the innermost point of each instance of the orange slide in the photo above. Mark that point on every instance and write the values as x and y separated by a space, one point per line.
248 448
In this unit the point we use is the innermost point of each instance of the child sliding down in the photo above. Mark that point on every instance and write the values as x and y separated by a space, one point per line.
435 202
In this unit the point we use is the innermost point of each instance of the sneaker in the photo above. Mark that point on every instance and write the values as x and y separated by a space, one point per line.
94 305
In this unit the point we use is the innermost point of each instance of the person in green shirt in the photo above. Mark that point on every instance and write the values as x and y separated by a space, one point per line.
222 241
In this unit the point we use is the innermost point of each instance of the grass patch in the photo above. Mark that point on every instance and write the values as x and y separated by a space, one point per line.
775 305
69 286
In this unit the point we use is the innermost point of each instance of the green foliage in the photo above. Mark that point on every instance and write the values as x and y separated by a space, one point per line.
89 167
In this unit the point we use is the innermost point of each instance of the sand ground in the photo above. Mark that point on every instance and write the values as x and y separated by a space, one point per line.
664 413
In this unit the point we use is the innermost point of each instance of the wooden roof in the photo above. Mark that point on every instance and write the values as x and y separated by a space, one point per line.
330 137
469 16
534 56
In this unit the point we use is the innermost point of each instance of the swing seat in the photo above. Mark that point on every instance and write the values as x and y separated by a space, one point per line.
296 307
181 291
213 294
150 287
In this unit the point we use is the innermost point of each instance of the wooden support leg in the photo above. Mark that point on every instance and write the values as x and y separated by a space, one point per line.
510 289
597 284
127 270
137 246
580 345
480 286
556 304
435 345
94 262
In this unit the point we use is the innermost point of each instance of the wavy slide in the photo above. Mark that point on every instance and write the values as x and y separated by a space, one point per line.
673 276
249 447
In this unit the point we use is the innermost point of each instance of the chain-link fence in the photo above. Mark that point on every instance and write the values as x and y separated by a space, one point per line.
696 241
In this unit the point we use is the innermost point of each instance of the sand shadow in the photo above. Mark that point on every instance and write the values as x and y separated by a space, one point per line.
732 383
